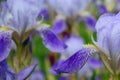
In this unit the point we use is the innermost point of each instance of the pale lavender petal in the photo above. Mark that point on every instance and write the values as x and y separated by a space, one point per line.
90 22
103 28
75 62
68 7
5 44
38 76
52 41
108 33
95 63
24 13
25 73
74 43
59 26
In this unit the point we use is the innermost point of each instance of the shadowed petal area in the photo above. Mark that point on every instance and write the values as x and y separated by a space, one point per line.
5 44
75 62
52 41
25 72
55 65
95 63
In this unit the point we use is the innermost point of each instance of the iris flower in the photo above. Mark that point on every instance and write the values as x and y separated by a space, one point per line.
21 16
68 7
107 46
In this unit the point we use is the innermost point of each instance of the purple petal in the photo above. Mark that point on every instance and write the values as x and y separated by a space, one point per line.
102 9
94 63
6 72
63 78
90 22
25 73
54 66
38 76
59 26
52 41
5 44
74 43
75 62
44 12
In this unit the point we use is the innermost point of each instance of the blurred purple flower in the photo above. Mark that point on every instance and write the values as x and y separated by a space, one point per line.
59 25
90 22
68 7
44 13
102 9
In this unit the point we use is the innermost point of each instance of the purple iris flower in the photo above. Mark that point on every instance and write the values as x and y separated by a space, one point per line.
76 56
22 16
107 43
107 46
68 7
15 16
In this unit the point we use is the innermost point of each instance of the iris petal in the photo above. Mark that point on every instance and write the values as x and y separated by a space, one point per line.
90 22
5 44
75 62
52 41
59 26
25 72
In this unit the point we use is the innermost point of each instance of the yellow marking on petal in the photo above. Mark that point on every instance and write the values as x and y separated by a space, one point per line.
42 25
60 16
84 13
4 29
89 46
